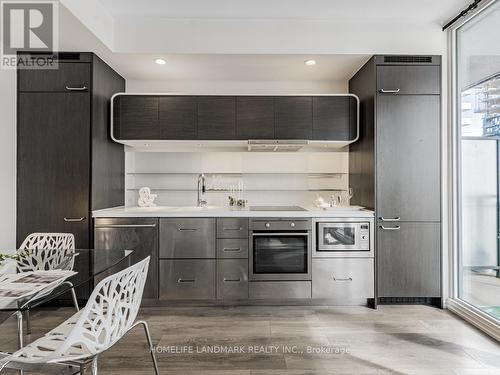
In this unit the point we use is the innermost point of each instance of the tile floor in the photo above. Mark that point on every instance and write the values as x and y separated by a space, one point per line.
293 340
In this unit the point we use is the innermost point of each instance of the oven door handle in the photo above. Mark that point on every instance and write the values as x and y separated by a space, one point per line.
268 234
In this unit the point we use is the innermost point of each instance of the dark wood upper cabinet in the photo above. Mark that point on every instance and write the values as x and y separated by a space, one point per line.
177 117
293 117
409 79
138 117
216 117
255 117
334 118
67 77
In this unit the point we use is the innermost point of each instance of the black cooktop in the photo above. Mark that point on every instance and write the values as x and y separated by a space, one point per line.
277 208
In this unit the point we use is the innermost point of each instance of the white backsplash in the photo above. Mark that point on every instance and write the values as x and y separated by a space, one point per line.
268 178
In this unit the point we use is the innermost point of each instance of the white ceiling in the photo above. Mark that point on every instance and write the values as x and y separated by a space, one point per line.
422 10
251 40
220 67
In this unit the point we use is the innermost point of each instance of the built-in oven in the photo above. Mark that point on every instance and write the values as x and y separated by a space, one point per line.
343 237
280 249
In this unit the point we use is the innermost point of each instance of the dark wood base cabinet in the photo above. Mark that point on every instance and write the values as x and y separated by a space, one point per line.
67 164
395 168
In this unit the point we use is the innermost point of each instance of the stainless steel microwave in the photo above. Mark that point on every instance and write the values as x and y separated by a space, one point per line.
344 237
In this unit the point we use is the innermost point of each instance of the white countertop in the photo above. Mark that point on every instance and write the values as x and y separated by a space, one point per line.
212 211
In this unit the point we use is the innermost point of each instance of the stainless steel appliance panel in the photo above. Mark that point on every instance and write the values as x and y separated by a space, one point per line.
267 224
187 279
137 234
187 238
352 236
280 255
364 238
232 279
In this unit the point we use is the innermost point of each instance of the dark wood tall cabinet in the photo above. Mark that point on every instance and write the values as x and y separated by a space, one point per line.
67 164
395 168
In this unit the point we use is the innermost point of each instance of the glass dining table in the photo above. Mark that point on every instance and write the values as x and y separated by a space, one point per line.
21 292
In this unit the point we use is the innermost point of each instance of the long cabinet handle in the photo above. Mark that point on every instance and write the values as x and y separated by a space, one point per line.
339 279
126 226
284 234
397 227
74 219
397 218
187 229
238 229
389 91
231 280
81 88
181 280
231 249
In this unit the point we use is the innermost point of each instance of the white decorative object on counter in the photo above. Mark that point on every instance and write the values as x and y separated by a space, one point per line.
320 202
146 199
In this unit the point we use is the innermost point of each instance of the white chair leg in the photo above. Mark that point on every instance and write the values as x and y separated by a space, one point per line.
94 366
75 300
20 335
28 321
150 343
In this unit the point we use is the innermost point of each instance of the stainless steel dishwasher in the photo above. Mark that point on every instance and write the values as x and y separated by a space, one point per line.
137 234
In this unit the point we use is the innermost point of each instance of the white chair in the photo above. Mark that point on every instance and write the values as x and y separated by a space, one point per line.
109 314
48 251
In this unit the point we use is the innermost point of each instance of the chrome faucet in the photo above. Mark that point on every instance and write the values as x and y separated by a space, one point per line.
202 202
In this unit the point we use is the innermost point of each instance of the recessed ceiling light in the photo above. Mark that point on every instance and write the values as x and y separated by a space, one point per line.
310 62
160 61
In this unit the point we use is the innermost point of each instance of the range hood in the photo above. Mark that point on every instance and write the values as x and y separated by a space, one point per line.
273 145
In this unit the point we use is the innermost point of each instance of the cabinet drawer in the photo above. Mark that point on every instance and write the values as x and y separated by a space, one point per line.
232 228
187 279
279 290
232 278
409 79
232 248
67 77
187 238
341 279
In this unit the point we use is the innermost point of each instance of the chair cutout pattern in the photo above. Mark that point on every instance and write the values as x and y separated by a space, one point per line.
48 251
109 314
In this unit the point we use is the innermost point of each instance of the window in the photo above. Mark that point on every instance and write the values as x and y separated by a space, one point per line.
477 85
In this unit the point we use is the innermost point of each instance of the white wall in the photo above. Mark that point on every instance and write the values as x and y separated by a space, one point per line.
7 159
238 87
268 178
